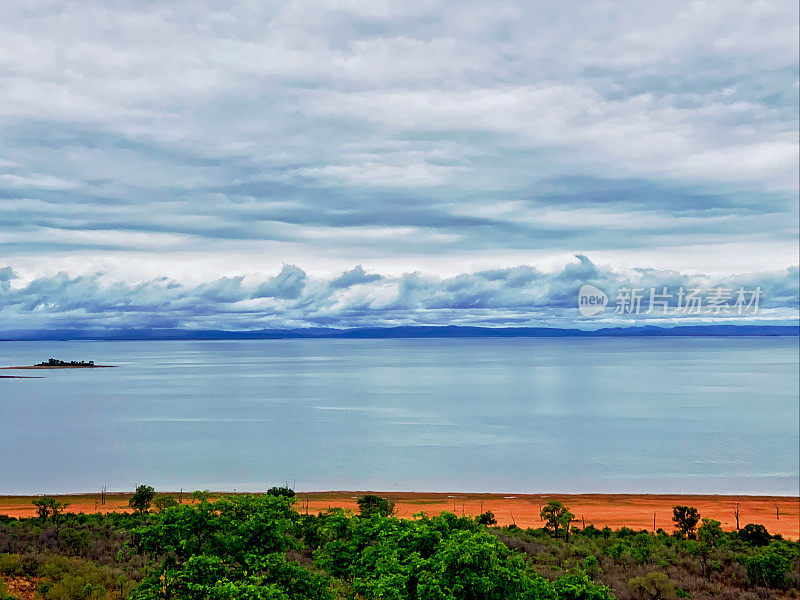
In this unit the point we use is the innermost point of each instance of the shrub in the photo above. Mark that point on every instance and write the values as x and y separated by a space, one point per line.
162 503
75 540
11 565
76 579
591 565
233 548
283 491
578 586
200 496
375 505
486 518
767 569
652 586
757 535
444 558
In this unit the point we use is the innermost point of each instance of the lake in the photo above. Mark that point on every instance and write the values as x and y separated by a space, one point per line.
693 415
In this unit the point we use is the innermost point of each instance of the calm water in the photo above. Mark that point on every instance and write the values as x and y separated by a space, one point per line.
569 415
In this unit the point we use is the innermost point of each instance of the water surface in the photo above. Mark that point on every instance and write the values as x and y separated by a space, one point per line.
694 415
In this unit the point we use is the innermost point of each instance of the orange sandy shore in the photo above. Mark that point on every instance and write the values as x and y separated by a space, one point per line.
779 514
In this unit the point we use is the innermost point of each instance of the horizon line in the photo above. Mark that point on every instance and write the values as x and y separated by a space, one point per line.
403 331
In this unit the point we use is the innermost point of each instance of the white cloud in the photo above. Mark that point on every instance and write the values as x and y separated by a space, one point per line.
203 140
514 296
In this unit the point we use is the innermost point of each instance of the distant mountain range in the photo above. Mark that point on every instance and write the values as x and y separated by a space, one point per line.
451 331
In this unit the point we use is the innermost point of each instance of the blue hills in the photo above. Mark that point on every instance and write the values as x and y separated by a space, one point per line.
426 331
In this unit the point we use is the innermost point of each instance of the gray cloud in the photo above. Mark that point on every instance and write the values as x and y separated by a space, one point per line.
288 284
354 276
160 137
515 296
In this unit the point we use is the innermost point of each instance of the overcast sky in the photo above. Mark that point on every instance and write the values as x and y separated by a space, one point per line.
254 164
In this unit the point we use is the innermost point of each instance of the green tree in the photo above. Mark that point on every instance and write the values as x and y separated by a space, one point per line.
709 537
710 533
486 518
162 503
49 507
200 496
284 491
755 534
685 519
370 504
556 516
142 498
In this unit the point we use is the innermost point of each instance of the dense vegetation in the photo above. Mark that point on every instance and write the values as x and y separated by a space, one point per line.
260 548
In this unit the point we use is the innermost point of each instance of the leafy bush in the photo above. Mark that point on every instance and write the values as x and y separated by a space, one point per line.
591 565
375 505
49 507
11 565
283 491
76 579
713 566
578 586
162 503
652 586
754 534
486 518
442 558
233 548
76 541
767 569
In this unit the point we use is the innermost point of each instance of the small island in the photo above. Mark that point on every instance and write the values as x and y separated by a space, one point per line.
54 363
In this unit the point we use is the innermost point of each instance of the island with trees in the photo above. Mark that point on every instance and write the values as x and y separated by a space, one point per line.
55 363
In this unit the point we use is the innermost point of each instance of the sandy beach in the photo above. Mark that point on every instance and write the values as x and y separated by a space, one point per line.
780 514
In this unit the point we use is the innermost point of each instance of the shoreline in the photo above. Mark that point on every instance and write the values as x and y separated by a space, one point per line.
779 514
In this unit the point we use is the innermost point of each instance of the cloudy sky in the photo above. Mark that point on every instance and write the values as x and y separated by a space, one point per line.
355 163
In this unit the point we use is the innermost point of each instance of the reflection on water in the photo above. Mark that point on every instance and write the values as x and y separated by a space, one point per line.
517 415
